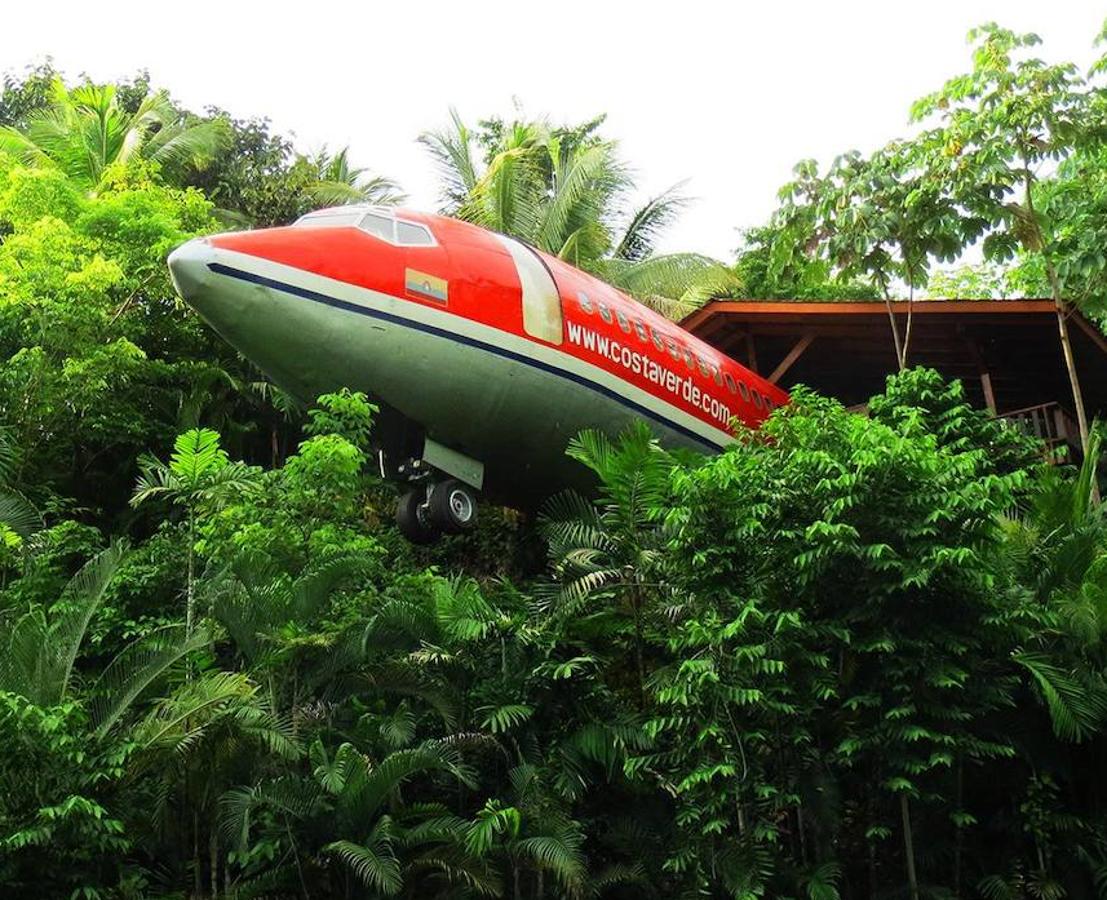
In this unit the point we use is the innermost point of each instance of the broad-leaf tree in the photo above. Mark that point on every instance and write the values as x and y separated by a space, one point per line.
995 132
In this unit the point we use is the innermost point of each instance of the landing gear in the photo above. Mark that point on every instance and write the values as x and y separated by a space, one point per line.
453 506
412 518
425 511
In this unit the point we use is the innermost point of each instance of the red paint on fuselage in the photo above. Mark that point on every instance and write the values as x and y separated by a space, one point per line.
484 287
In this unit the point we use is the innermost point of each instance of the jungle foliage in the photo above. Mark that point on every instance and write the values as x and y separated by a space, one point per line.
858 657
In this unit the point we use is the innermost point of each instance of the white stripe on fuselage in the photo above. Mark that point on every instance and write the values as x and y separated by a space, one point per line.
437 318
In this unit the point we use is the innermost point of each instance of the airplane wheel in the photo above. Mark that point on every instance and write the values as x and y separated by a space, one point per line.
414 522
453 506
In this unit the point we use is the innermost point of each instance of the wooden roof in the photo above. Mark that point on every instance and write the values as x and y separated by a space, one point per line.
1008 348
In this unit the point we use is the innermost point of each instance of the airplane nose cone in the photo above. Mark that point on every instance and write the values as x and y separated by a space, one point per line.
188 267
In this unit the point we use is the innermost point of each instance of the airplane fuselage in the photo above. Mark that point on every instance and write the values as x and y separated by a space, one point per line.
473 343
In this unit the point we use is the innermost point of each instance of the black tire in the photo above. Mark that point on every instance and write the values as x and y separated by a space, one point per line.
414 523
453 506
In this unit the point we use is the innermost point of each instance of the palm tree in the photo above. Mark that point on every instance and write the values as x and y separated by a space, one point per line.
41 650
340 183
610 550
267 614
200 477
85 130
1059 546
562 191
351 810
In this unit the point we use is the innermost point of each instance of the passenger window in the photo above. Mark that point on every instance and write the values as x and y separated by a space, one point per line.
674 350
541 301
641 329
656 339
411 235
744 391
605 313
624 322
704 370
731 386
379 226
690 360
585 302
757 399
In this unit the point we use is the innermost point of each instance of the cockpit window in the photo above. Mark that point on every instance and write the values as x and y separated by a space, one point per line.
329 219
380 223
380 226
409 234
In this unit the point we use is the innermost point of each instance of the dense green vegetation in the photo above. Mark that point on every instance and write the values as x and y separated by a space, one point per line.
849 657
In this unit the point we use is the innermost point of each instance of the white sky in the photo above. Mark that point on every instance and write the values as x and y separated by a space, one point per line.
726 94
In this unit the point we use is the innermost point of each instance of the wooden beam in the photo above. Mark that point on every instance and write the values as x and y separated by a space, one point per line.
982 370
1091 331
751 353
795 353
863 308
694 320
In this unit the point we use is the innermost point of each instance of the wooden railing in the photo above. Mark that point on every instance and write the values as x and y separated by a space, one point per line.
1048 421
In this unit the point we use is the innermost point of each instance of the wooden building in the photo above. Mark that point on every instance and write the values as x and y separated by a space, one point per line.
1006 352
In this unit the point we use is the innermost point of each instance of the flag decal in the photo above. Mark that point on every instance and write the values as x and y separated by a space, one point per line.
430 286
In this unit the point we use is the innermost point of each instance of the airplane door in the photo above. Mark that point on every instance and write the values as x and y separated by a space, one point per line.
541 300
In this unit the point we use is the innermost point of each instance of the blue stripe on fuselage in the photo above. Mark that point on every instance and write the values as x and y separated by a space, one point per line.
315 296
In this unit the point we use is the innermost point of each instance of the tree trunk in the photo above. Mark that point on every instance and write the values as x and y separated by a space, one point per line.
802 836
909 847
907 329
958 846
213 854
197 873
895 326
190 591
1061 307
638 658
1066 348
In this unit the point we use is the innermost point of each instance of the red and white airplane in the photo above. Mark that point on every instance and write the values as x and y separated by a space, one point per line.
485 355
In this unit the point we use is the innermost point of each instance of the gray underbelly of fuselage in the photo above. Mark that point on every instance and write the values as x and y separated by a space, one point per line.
514 414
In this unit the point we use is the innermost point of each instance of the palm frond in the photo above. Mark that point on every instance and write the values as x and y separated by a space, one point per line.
674 284
1075 709
291 796
582 185
559 853
19 146
136 668
79 601
378 190
649 221
177 144
452 150
19 514
365 795
178 721
374 863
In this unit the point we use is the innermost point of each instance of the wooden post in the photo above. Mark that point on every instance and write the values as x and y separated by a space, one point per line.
751 353
989 394
982 370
